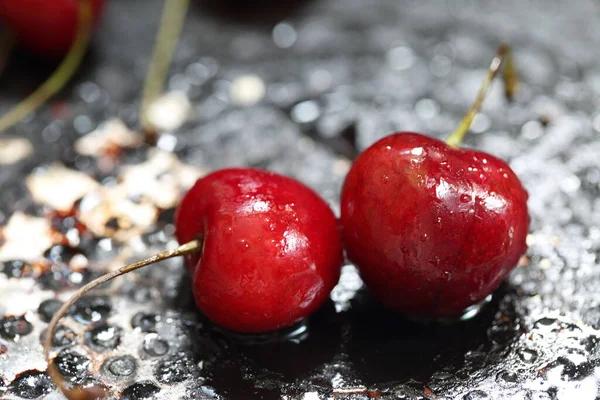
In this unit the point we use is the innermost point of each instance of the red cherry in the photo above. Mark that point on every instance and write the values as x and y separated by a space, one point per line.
264 251
46 27
271 249
433 229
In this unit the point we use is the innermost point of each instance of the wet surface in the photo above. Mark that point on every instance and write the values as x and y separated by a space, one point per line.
31 384
300 88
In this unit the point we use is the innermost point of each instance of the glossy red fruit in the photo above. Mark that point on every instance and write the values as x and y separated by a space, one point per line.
272 250
432 228
47 27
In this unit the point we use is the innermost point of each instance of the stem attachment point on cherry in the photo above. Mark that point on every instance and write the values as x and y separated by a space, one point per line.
504 59
192 247
60 76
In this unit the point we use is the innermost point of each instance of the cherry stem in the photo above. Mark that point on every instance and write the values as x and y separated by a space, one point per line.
171 25
95 392
511 83
60 76
7 43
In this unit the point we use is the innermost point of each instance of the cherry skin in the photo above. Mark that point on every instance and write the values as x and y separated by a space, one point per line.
433 229
47 27
271 249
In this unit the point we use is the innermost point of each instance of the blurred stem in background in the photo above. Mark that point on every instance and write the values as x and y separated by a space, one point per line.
167 37
504 59
60 77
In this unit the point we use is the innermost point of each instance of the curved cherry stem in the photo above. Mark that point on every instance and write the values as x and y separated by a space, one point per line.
60 77
169 32
92 393
511 84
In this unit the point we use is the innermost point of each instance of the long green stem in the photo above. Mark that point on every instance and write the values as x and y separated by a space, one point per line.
511 83
166 40
93 393
60 77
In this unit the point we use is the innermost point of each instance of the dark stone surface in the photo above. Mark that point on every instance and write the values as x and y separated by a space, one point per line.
339 74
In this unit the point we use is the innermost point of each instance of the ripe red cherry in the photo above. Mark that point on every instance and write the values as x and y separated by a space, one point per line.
46 27
271 249
264 251
432 228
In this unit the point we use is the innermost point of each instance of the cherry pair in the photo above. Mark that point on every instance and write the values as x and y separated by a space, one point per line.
432 228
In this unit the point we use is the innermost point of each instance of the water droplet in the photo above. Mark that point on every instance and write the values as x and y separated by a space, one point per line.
465 198
284 35
528 356
60 253
31 384
103 337
15 269
424 237
589 343
305 112
120 366
247 90
48 308
417 151
481 123
210 392
400 58
91 309
139 294
546 321
145 322
245 246
72 365
440 65
426 109
507 377
502 333
14 327
155 346
476 395
139 391
63 336
175 369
